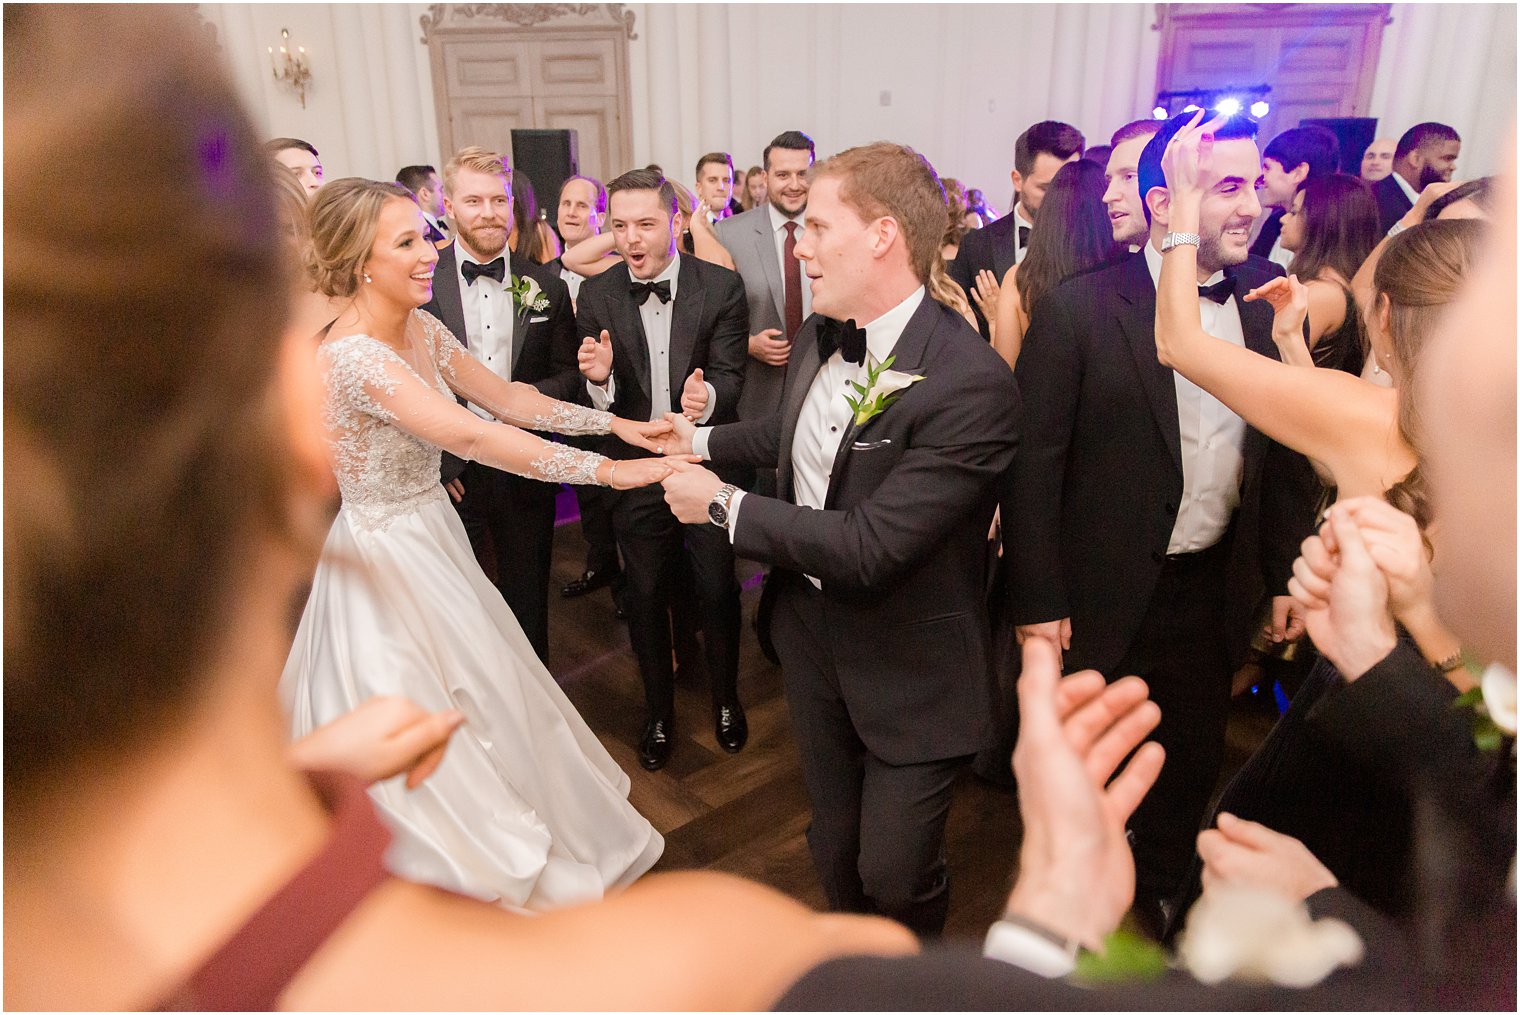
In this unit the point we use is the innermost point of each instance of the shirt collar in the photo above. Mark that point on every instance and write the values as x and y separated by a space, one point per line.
1409 191
430 219
779 221
1022 216
882 334
1153 262
462 255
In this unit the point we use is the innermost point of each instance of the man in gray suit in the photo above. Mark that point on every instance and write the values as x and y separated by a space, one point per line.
761 242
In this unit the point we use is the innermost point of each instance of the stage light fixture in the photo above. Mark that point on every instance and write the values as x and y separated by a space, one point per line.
1191 107
1159 113
1229 105
1260 108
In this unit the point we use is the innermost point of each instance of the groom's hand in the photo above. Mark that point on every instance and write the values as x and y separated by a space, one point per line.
682 431
689 489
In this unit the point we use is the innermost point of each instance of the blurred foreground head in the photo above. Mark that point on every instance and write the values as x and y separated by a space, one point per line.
146 445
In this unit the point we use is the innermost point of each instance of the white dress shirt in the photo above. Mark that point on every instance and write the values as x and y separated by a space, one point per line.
655 316
778 233
572 281
489 318
1212 436
825 416
432 221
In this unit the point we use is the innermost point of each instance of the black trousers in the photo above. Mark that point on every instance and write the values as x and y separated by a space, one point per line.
512 518
1182 653
652 542
878 831
596 525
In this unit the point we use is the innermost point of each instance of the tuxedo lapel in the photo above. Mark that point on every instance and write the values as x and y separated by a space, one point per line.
801 373
685 325
907 356
765 250
446 295
1137 319
628 341
1256 316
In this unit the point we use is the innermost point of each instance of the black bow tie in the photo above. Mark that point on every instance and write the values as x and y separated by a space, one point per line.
1024 236
496 269
1219 292
640 291
845 337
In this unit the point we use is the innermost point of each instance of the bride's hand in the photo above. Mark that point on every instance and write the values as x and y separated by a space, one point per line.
382 737
1289 299
631 473
649 436
1188 157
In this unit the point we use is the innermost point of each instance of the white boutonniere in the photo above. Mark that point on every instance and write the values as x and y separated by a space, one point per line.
526 295
1491 704
1249 933
881 389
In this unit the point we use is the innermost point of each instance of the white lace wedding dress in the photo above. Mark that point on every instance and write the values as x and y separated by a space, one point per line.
527 808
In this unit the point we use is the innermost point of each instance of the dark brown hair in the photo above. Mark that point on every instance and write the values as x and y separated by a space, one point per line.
645 179
1072 235
1341 226
144 321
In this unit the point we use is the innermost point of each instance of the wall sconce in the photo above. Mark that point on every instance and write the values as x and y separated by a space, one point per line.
291 67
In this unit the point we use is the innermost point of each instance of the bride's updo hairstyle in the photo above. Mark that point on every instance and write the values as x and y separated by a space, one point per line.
344 218
144 437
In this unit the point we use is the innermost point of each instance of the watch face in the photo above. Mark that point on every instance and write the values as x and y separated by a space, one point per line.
717 514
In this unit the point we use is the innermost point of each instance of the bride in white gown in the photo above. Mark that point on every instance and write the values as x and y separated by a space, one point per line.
527 808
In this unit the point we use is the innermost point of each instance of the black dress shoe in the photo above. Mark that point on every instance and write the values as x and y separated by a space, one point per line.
731 728
654 746
590 582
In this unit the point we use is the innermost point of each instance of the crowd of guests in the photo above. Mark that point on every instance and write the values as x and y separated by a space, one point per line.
1169 439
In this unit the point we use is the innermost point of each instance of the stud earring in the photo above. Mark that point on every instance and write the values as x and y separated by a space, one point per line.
367 278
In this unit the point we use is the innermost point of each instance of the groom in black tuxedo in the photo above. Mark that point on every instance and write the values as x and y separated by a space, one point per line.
510 515
877 537
666 333
1149 517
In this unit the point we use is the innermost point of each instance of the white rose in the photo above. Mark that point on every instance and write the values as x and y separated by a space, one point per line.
1499 696
1250 934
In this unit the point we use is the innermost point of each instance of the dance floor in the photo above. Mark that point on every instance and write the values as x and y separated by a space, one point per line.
747 813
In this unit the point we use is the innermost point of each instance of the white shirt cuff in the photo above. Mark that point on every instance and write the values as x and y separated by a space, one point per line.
712 402
1019 946
601 397
733 509
699 443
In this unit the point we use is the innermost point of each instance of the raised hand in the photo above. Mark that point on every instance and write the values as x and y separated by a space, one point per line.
694 395
770 346
594 357
1344 596
382 737
985 294
1289 299
689 489
682 430
1246 853
652 436
1076 873
1188 156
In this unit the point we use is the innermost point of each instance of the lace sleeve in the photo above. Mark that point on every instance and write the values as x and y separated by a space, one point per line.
508 401
378 381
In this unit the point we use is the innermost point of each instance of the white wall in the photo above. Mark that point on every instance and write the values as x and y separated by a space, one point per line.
963 79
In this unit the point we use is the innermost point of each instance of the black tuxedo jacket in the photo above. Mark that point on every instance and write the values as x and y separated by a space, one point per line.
1393 204
1094 492
901 548
707 329
990 247
543 344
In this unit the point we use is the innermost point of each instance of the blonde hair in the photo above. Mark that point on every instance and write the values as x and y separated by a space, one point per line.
344 219
886 180
475 159
946 290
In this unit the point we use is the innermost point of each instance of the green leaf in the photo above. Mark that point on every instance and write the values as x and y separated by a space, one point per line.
887 363
1126 957
1470 698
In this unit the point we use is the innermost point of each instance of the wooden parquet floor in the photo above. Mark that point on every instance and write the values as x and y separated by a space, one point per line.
747 813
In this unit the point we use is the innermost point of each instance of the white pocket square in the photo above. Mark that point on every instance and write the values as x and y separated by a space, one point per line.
537 320
870 445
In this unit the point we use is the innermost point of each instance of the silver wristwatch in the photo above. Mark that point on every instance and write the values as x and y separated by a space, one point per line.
1171 240
717 511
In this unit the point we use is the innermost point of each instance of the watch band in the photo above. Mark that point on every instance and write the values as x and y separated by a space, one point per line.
1171 240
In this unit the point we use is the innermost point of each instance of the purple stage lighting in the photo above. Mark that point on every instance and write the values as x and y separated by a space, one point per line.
1229 106
1159 113
1260 108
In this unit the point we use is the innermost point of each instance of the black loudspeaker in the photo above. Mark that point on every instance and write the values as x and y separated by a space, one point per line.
547 158
1354 133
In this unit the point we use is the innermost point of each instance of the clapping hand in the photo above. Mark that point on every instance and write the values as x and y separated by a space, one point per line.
1343 596
382 737
694 395
594 357
1076 873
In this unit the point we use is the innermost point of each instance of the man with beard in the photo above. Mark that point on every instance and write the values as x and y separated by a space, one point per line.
1426 154
1126 212
1137 496
509 518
